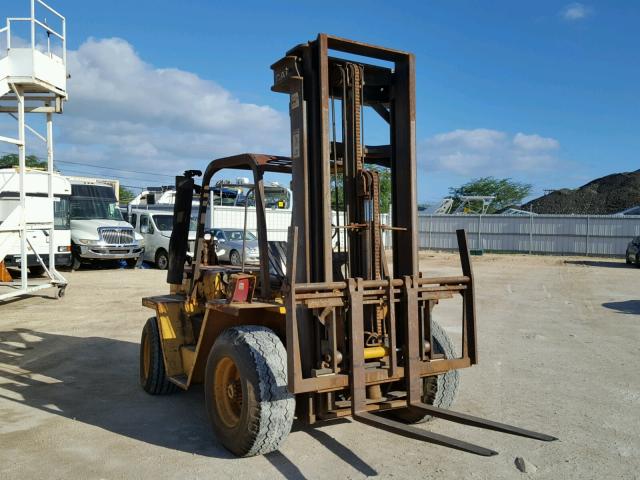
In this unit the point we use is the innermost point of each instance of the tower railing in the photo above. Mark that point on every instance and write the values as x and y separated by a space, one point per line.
35 24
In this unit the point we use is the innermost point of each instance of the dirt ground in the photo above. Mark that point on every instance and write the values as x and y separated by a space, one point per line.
559 342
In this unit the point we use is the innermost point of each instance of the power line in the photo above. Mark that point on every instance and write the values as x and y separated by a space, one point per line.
116 169
85 172
93 165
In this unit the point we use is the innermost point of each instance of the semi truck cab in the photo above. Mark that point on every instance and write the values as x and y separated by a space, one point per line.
98 230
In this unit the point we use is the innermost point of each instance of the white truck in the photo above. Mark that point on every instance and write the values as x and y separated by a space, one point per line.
37 210
98 230
155 226
227 207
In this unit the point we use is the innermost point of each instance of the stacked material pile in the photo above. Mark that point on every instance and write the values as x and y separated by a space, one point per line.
603 196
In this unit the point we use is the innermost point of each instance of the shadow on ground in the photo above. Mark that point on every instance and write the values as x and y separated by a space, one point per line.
599 263
631 307
94 380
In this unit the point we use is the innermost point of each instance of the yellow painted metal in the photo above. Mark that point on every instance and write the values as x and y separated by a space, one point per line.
172 336
167 331
188 353
146 357
227 392
375 352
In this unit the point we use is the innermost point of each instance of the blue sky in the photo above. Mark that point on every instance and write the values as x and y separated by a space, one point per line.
545 92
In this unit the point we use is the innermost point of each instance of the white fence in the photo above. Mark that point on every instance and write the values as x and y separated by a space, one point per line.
544 234
603 235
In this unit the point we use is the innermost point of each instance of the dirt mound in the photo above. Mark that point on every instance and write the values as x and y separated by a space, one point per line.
603 196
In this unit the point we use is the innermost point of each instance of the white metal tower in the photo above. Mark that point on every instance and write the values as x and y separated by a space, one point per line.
33 79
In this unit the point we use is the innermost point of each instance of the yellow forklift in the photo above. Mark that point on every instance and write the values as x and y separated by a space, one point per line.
326 325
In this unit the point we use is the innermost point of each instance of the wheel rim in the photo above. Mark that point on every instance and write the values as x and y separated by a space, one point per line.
235 258
146 357
227 392
162 262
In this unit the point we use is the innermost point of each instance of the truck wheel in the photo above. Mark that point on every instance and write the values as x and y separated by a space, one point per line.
153 377
439 391
234 257
249 406
162 259
132 262
76 262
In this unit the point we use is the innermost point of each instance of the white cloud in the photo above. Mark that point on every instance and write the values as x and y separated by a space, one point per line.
478 139
534 142
124 112
576 12
488 152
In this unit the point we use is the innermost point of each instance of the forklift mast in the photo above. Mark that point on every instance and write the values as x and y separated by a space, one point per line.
322 154
328 100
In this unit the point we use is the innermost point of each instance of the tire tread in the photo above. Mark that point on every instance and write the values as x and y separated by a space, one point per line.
269 421
158 382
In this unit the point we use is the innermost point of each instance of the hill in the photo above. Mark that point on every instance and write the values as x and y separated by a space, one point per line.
603 196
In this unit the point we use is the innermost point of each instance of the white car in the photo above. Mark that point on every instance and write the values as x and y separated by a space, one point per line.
155 226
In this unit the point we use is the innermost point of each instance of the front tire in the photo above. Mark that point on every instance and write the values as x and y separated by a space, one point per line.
441 390
162 259
234 257
250 409
153 376
76 262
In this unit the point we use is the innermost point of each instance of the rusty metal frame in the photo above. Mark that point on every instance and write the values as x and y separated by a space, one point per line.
304 73
258 164
315 301
357 292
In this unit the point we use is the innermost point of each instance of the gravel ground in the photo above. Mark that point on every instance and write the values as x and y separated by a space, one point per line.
558 346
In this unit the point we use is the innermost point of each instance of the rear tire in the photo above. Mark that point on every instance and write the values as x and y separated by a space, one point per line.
250 409
441 390
153 377
626 258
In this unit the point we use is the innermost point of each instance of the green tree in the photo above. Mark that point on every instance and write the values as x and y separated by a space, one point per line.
507 192
126 195
385 188
12 160
384 175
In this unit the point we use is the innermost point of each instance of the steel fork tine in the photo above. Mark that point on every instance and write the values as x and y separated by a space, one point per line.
419 434
479 422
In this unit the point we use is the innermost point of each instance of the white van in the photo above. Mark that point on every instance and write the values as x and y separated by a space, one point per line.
98 231
36 186
155 226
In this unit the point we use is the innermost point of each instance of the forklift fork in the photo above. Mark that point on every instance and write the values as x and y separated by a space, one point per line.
412 375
